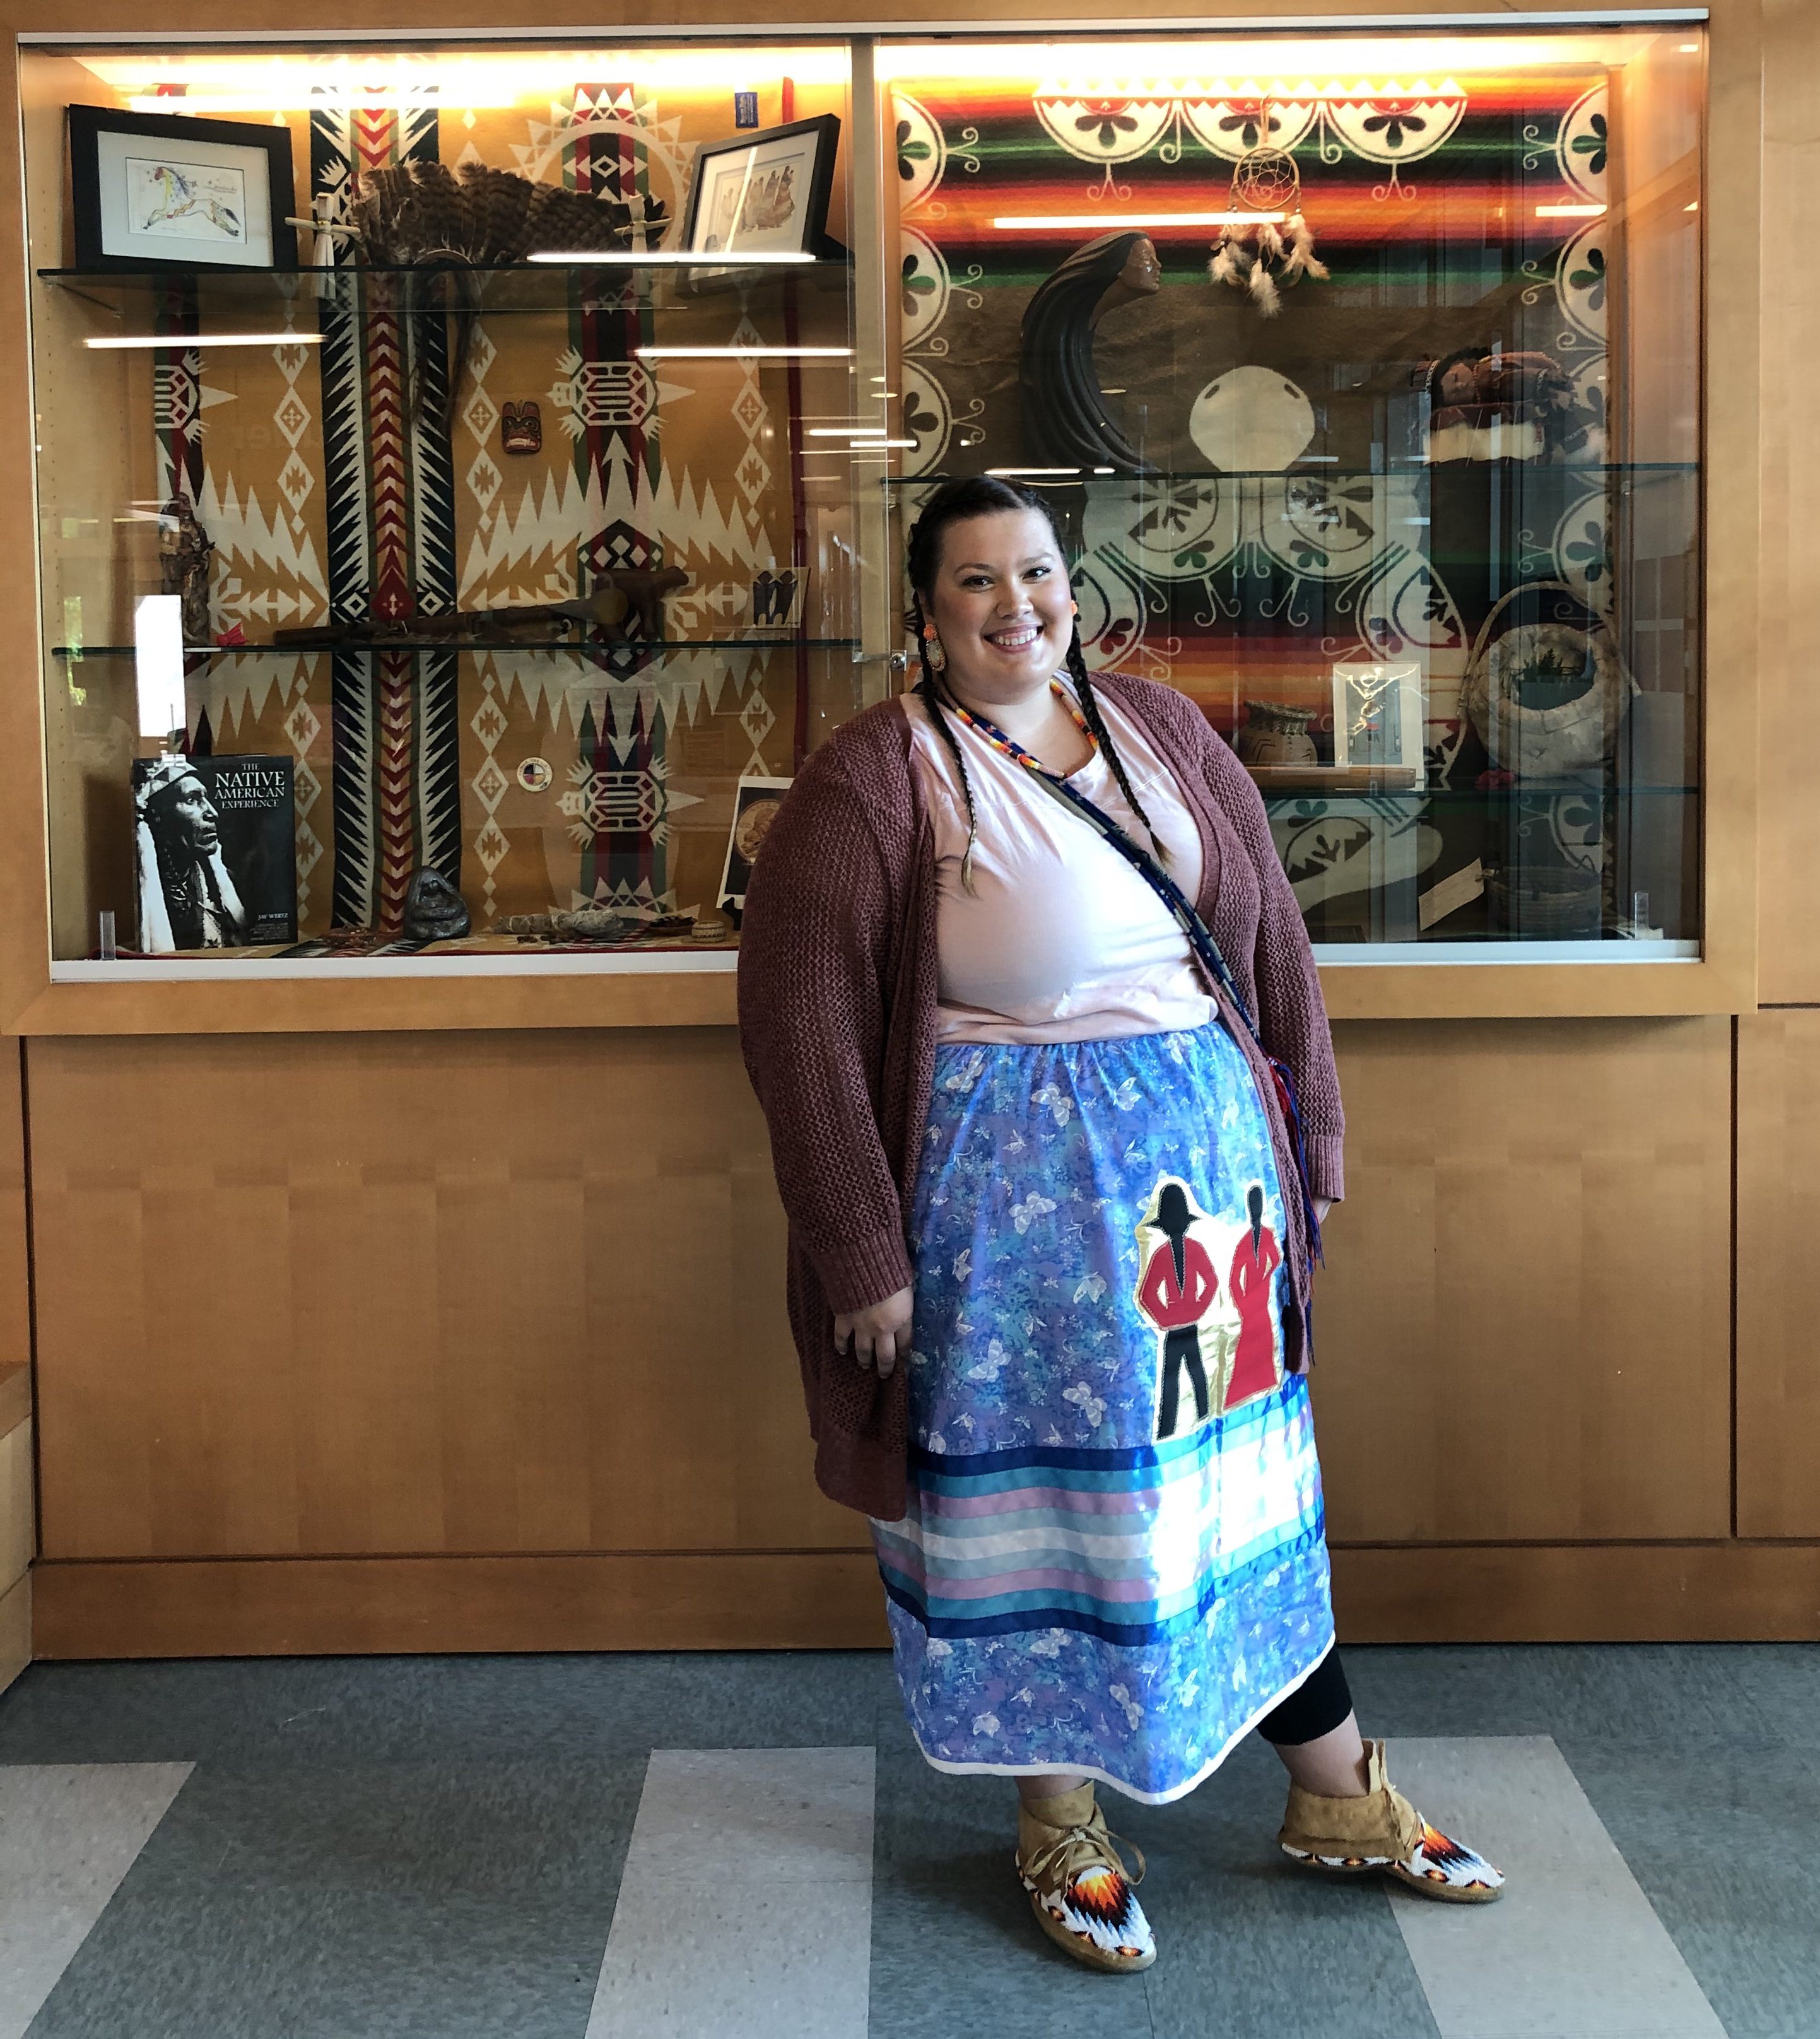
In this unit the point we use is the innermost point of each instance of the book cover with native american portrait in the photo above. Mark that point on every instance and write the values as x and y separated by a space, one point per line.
214 852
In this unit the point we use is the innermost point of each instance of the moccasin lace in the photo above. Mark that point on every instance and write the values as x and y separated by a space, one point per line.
1055 1864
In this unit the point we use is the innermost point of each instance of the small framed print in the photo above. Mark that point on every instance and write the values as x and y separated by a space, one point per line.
1378 714
755 807
152 190
764 194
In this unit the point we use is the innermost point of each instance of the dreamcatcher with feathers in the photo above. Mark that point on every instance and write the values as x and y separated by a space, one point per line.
443 226
1266 245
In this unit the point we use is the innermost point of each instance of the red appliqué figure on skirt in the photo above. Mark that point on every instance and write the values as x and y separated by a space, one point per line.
1178 1290
1253 1290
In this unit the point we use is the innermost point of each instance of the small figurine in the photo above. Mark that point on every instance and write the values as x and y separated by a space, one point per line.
773 597
522 427
184 551
586 924
434 910
644 588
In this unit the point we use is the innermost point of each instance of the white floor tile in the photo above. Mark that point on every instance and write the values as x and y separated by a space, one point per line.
69 1832
803 1814
1573 1950
745 1910
739 1960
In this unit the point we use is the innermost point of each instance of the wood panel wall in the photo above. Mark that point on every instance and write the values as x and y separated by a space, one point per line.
412 1332
18 1525
468 1341
338 1294
1523 1331
1788 857
1778 1226
1779 1050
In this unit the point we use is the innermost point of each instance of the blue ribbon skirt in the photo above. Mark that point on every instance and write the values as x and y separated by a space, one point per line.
1114 1557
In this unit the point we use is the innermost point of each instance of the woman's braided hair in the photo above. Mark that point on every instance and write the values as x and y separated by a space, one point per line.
953 503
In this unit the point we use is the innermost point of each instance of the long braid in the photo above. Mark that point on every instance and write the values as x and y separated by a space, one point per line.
1103 736
930 692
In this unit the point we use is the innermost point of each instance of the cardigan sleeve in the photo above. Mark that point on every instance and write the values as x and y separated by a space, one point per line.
1292 1015
815 954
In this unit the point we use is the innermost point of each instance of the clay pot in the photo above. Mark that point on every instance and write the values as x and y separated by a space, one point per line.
1276 734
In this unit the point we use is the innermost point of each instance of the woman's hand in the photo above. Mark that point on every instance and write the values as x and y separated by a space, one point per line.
1322 1206
876 1335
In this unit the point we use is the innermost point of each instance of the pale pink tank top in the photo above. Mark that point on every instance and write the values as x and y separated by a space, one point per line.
1061 940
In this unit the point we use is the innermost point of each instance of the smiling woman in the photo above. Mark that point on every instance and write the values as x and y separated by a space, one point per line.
1035 1142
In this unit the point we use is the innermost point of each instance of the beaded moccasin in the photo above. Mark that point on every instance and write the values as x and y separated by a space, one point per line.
1079 1887
1382 1834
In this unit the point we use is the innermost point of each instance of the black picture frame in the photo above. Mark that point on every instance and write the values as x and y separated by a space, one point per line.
811 214
95 205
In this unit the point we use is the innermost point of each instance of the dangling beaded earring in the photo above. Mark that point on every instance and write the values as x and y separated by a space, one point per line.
937 657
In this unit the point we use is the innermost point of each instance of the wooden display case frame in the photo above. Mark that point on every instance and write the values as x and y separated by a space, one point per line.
1723 980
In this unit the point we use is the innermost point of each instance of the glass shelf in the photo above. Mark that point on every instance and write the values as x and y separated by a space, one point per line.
641 648
500 287
1481 798
1315 470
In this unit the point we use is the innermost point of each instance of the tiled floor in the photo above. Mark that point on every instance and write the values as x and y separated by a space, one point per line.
732 1847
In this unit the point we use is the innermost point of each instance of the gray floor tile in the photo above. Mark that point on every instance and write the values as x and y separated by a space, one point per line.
1635 1692
466 1707
361 1901
432 1845
1721 1839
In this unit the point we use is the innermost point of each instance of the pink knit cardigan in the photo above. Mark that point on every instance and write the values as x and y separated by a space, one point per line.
837 981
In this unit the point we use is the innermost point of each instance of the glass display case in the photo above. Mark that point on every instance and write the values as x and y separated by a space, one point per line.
447 534
1365 371
470 479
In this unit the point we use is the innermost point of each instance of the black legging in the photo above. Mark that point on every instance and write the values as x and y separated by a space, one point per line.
1316 1707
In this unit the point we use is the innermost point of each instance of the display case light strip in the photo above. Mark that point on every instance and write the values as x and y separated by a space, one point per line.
1570 212
188 339
1329 64
674 258
846 432
209 80
375 99
1039 222
739 353
1042 473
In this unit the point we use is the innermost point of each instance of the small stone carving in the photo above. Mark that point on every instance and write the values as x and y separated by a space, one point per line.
434 910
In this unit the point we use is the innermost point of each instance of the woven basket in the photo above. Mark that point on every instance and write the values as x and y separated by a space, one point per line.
1567 740
1547 905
